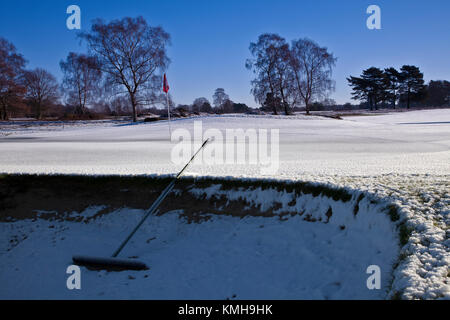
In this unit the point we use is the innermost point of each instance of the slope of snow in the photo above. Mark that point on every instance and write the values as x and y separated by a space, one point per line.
423 269
223 257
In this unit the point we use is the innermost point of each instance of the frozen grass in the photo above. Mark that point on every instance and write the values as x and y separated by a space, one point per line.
420 207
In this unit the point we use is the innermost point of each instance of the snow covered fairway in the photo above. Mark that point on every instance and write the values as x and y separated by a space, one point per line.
400 159
415 142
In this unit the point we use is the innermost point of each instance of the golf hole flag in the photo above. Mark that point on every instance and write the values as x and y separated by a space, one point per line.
165 84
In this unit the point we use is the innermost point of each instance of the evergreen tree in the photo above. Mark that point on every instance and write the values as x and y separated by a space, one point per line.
412 86
393 79
376 80
438 93
371 87
360 89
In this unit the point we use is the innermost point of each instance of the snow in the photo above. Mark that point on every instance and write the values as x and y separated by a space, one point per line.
368 145
401 158
424 203
224 257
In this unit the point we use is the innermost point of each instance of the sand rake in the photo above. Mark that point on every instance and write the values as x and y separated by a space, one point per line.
114 263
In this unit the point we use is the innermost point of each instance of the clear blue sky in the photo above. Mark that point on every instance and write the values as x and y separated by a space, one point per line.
210 38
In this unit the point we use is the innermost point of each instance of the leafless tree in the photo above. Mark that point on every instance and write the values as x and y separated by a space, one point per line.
282 76
11 68
41 90
101 107
82 76
130 53
198 104
120 106
311 67
270 65
219 98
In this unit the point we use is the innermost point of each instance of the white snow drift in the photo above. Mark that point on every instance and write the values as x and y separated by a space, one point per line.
223 257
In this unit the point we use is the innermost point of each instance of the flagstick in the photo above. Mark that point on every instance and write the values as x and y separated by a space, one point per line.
168 114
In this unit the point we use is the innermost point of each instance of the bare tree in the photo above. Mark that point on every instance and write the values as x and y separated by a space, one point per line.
130 53
82 76
199 103
219 98
282 76
311 67
11 68
120 106
270 65
41 90
101 107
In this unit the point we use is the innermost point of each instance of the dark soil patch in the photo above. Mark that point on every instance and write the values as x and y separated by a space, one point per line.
22 196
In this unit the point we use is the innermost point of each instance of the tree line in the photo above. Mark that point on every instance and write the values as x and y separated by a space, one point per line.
221 104
395 88
299 75
387 86
123 66
289 75
121 74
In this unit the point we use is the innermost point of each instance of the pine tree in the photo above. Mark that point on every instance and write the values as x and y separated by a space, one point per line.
371 87
412 85
393 80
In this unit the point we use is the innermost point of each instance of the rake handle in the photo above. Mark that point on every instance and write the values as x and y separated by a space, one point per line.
157 202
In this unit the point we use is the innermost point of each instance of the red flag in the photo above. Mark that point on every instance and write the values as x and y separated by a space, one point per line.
165 84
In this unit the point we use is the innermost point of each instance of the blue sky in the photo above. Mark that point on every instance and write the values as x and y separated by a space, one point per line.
210 38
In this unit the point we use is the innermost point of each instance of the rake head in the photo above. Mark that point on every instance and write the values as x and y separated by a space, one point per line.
110 264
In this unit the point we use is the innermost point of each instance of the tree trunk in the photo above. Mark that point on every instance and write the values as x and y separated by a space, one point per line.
274 105
283 101
407 100
38 111
394 99
4 113
133 105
